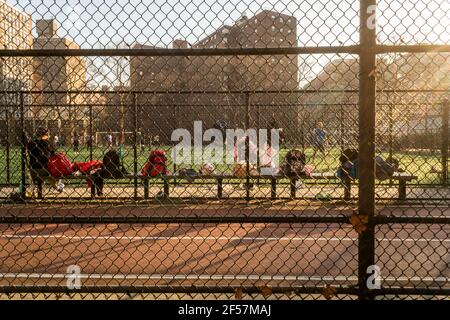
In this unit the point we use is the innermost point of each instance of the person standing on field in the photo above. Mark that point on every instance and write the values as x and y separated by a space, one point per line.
319 139
76 143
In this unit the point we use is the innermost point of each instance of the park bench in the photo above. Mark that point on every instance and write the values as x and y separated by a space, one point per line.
274 179
402 178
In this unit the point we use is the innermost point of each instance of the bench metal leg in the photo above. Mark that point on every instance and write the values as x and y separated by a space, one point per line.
146 188
293 188
166 187
247 189
273 188
39 185
402 190
219 188
347 188
93 188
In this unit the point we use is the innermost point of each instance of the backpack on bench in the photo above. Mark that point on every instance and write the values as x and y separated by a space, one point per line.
112 166
294 164
385 169
59 165
350 166
156 164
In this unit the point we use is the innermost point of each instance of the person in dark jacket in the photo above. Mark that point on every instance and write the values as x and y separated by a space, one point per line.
40 149
76 143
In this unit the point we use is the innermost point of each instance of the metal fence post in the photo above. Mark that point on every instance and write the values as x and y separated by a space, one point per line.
391 139
258 164
176 126
445 144
8 146
91 139
341 127
302 132
391 128
135 153
247 145
24 146
367 100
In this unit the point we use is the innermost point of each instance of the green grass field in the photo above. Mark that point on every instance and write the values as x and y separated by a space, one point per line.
419 164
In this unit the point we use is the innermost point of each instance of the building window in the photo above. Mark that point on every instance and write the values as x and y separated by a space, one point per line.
273 29
273 17
225 40
289 31
256 20
281 20
281 30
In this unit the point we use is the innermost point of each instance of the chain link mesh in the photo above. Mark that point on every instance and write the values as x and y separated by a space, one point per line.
116 86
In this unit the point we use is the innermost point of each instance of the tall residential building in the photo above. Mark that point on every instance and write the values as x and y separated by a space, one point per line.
15 33
58 74
224 73
272 72
267 29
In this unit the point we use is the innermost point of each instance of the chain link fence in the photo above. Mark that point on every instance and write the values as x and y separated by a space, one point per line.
278 150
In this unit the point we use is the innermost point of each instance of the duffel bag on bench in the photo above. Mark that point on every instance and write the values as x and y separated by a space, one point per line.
59 165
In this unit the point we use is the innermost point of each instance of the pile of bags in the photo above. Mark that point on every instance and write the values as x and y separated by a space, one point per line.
60 166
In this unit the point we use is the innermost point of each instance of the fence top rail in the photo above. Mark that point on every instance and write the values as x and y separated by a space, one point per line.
242 92
153 52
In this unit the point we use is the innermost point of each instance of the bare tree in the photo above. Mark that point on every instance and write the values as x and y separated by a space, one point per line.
112 72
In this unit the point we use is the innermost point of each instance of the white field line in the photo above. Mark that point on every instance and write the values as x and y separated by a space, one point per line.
209 238
106 276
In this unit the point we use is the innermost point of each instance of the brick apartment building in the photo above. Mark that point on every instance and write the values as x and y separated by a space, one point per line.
15 72
224 73
15 33
58 74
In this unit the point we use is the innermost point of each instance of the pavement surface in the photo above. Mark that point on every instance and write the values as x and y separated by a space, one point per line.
174 255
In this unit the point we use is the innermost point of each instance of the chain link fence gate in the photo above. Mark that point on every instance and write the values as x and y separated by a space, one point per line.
219 218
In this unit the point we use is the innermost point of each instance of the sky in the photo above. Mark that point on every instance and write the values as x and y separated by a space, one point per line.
96 24
113 23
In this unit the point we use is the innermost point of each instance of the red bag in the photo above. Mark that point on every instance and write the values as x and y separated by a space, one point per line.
87 167
156 164
59 165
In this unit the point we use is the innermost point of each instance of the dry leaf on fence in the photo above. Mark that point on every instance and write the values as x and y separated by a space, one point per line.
329 292
238 293
266 291
359 222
